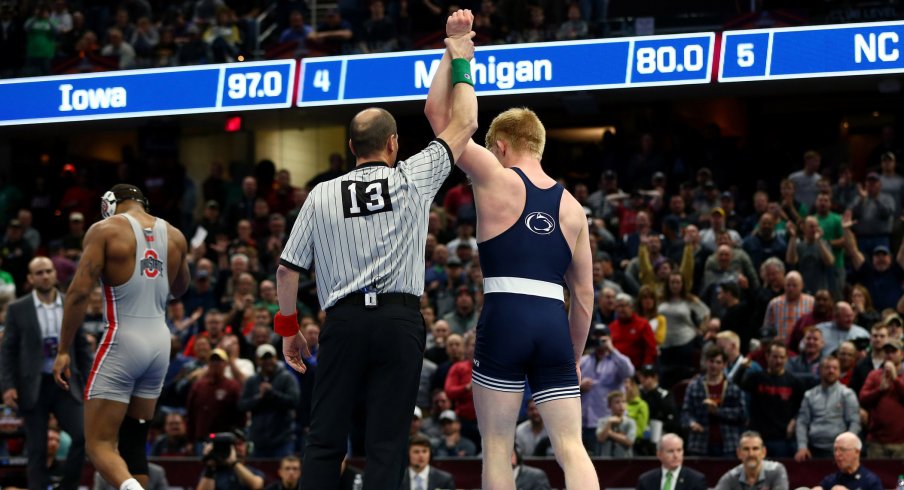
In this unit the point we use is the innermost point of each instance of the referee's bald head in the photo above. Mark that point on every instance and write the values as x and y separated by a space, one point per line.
369 132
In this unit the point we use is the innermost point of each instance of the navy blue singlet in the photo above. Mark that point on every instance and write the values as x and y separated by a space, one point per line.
523 327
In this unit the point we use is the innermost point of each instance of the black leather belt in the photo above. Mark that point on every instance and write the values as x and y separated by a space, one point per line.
357 299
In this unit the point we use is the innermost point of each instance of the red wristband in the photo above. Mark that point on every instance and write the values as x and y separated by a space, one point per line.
285 326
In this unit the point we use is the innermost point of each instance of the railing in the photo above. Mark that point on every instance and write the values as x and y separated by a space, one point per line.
613 473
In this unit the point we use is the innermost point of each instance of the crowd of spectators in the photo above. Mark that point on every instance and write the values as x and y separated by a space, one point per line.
709 320
74 36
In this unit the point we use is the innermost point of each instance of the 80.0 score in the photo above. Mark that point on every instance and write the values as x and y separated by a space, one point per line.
665 59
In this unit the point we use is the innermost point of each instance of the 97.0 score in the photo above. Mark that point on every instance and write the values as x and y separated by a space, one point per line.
254 84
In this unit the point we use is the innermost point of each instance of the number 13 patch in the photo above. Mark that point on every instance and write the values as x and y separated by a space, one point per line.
365 198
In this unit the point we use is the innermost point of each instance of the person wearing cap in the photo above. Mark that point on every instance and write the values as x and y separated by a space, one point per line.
455 274
417 421
883 396
631 333
270 396
602 371
727 203
825 411
895 325
878 336
76 231
16 253
805 179
706 194
717 226
873 213
212 404
663 409
465 315
881 276
452 444
212 222
892 183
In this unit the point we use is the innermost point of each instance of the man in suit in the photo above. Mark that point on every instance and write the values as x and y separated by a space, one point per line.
526 477
33 325
672 475
420 475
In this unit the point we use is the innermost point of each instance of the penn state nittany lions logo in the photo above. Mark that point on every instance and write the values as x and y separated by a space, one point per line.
540 223
150 264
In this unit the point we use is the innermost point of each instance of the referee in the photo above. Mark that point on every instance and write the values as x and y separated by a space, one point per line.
364 234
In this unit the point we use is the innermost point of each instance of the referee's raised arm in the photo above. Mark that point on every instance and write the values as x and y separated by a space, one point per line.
463 122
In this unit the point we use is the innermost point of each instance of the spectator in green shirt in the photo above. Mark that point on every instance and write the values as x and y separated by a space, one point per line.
40 42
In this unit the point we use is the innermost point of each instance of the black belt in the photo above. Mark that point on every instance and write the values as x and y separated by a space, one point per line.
357 299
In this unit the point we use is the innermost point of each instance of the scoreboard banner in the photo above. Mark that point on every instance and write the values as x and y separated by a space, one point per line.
811 52
514 69
598 64
152 92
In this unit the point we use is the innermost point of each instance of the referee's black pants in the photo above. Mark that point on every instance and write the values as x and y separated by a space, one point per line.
380 352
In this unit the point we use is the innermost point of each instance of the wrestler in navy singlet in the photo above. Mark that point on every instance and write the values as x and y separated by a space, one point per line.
523 327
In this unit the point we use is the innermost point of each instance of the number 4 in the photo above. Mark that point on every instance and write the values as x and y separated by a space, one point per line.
745 55
322 80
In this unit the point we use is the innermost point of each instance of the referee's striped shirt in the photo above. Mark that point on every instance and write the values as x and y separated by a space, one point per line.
368 228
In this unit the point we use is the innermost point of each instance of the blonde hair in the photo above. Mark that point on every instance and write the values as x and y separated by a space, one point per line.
730 336
521 128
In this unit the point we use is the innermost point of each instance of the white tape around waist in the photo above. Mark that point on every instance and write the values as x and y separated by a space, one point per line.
520 285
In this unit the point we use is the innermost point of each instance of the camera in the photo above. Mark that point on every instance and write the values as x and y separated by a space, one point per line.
222 445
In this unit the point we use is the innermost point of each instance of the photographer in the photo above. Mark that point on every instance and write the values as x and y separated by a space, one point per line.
225 469
603 371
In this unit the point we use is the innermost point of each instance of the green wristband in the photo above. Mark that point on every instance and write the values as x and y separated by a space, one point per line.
461 72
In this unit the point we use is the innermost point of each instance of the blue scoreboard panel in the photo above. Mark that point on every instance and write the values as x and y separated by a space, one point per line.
811 52
152 92
514 69
763 54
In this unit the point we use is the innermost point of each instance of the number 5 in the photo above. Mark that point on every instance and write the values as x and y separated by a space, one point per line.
745 55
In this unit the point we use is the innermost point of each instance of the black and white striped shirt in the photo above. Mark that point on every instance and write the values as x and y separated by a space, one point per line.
368 228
